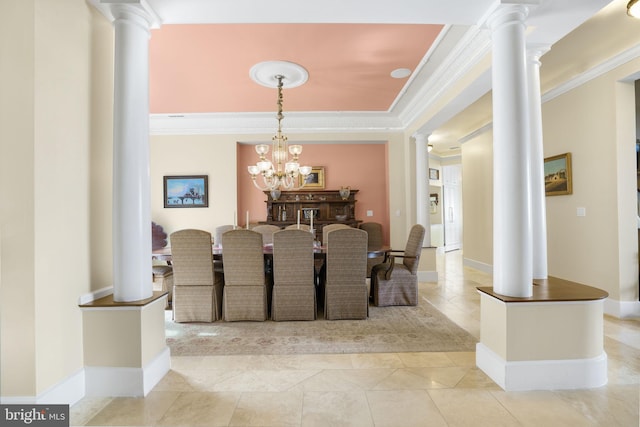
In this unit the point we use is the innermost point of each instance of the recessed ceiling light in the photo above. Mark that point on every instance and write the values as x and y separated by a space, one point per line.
400 73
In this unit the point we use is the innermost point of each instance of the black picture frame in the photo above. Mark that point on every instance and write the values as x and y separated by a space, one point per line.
434 174
186 191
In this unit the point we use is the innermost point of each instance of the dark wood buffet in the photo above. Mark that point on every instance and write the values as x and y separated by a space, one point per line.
326 206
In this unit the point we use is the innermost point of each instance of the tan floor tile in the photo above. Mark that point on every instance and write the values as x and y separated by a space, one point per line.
87 408
476 378
313 361
335 408
409 408
376 360
264 380
537 408
614 405
412 360
345 379
463 358
138 411
471 408
268 409
201 409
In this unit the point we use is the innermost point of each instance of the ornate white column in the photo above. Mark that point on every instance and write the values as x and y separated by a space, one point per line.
131 183
512 258
422 185
538 199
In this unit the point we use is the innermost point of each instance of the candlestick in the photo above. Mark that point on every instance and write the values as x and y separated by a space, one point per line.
298 219
311 219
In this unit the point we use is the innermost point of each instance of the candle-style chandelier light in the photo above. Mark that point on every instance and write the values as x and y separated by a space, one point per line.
283 171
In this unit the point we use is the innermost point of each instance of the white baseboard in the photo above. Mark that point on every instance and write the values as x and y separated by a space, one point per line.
622 309
571 374
131 382
67 392
487 268
427 276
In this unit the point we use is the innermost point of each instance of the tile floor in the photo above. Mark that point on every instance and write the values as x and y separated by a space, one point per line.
391 389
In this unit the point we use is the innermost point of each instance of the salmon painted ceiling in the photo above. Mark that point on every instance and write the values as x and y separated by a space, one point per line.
204 68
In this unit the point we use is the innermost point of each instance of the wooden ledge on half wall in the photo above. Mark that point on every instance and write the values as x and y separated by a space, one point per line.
107 301
553 289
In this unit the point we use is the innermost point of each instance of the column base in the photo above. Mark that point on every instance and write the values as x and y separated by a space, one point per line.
542 374
129 382
125 349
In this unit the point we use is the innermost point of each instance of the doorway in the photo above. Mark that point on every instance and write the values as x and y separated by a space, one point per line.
452 206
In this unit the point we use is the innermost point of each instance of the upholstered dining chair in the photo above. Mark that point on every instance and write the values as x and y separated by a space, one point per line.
219 231
294 290
397 283
197 289
345 293
329 228
267 231
247 290
374 241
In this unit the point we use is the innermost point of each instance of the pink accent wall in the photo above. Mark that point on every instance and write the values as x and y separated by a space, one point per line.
362 167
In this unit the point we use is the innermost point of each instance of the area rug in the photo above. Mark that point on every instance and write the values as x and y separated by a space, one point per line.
422 328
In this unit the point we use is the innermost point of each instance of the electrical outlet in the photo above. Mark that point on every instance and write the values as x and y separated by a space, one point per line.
369 213
581 212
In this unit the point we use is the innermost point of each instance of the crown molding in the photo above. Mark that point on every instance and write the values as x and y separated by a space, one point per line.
471 49
261 123
594 72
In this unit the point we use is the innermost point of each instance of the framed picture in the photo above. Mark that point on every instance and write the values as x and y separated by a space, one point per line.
557 175
315 179
434 174
186 191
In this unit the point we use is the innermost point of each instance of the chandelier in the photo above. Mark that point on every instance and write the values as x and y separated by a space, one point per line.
281 172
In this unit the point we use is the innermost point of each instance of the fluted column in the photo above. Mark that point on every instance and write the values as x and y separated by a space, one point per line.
422 185
512 260
538 199
132 279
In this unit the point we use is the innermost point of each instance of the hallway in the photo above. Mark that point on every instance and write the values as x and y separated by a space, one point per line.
390 389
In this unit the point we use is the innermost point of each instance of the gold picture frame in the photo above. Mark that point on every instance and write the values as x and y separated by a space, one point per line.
315 179
557 175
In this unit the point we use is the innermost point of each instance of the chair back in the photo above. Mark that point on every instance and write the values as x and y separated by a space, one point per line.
267 231
294 292
374 234
414 248
243 258
305 227
329 228
292 257
192 258
219 231
346 295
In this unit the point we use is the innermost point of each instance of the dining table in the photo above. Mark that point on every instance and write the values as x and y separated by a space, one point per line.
319 252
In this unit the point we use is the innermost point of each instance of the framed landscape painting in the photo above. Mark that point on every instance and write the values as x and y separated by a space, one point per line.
186 191
315 179
557 175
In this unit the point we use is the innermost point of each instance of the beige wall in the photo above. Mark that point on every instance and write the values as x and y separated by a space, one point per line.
46 228
477 195
17 345
586 122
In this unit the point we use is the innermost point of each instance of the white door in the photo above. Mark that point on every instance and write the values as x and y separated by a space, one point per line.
452 206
